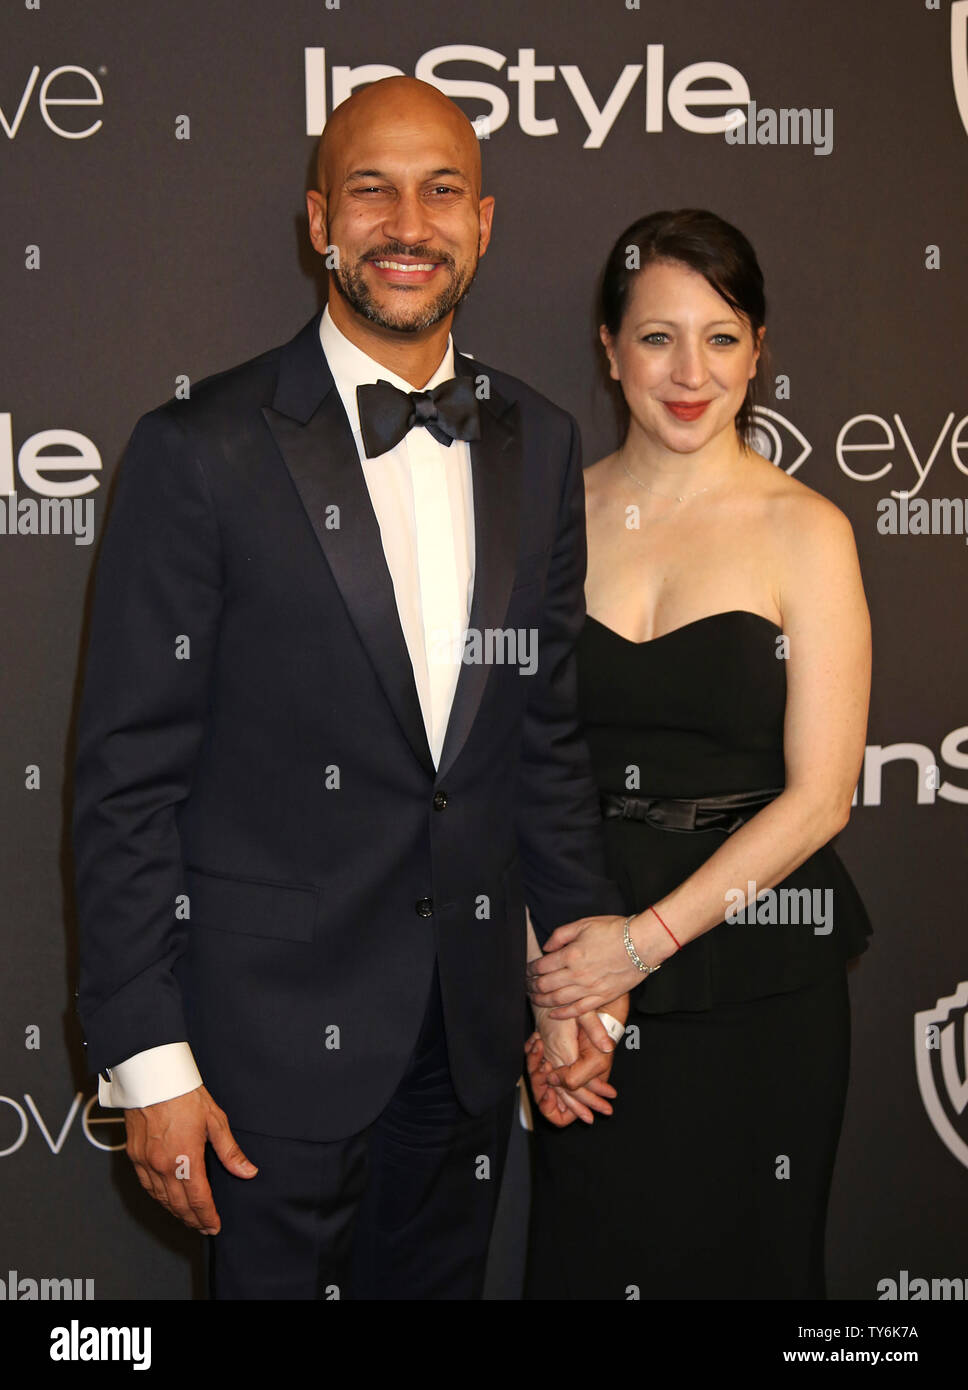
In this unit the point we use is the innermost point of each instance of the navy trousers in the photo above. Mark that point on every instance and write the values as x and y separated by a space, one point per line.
402 1210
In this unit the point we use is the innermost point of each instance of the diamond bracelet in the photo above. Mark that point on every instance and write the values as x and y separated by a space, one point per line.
634 955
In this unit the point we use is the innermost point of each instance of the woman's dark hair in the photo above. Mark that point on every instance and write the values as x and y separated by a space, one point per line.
704 242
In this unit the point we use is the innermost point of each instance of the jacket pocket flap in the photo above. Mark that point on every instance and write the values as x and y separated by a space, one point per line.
251 906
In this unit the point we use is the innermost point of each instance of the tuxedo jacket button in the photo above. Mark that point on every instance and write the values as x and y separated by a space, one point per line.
425 907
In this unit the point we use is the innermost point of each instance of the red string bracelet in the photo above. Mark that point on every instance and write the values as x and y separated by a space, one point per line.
656 915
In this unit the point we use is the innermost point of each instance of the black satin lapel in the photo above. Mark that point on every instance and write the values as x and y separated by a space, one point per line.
325 467
496 480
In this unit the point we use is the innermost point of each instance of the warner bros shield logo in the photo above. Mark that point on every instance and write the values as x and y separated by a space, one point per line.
941 1056
959 57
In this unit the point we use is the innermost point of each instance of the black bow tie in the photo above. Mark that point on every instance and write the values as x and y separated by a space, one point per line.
449 411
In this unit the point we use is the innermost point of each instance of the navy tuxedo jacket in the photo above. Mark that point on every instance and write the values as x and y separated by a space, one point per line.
267 862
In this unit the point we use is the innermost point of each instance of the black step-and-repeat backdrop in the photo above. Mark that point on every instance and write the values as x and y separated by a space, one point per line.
153 160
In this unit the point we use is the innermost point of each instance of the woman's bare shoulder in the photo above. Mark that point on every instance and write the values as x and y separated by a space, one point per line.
798 514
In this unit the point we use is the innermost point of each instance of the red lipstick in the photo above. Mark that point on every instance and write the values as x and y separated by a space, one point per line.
686 410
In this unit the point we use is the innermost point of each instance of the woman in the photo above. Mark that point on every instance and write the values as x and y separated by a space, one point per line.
724 674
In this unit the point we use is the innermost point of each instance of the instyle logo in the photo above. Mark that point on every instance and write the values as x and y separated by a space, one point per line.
941 1061
686 96
927 779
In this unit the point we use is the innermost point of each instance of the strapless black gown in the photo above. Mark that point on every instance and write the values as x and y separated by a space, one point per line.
712 1177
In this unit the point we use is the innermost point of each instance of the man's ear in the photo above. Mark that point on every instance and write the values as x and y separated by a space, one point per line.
316 212
486 214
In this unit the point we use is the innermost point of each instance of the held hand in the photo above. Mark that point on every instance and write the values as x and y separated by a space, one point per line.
548 1100
560 1104
558 1045
166 1144
593 1065
585 1056
585 964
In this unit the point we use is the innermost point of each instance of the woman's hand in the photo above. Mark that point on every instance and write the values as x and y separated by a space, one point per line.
580 1043
584 965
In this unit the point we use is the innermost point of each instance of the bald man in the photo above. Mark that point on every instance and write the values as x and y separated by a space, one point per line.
327 753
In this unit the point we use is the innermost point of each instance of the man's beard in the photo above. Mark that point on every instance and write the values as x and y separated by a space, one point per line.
354 289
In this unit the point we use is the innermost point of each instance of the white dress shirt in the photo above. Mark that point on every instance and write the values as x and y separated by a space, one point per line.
422 495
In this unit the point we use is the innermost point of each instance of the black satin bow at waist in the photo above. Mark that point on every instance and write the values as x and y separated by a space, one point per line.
726 813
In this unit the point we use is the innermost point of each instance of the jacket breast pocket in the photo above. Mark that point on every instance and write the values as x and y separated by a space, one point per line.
250 906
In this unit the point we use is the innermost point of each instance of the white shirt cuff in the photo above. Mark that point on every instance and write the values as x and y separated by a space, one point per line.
158 1073
614 1029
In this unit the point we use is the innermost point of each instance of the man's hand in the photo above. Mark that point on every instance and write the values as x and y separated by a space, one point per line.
559 1047
593 1065
558 1090
584 1073
560 1105
548 1099
166 1144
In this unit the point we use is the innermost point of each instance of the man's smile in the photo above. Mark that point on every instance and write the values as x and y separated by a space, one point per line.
400 271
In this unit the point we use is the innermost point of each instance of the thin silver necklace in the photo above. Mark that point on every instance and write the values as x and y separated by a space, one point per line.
669 496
